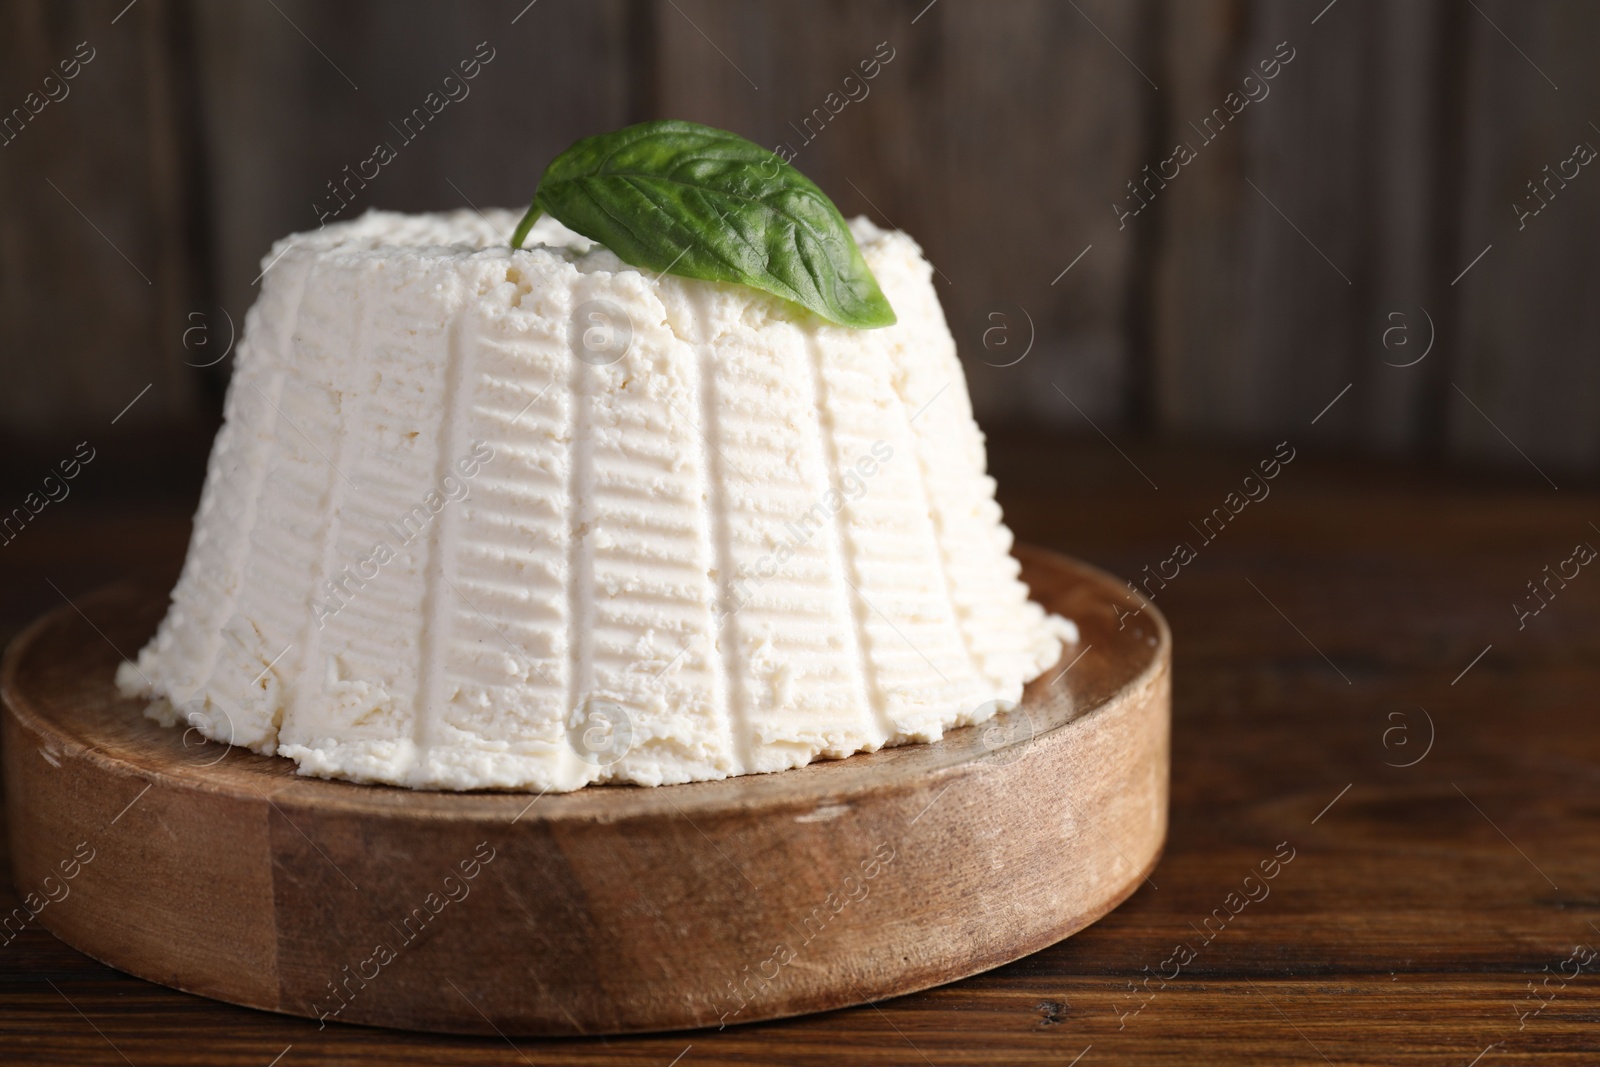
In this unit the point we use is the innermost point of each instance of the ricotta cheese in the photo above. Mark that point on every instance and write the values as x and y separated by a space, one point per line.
484 518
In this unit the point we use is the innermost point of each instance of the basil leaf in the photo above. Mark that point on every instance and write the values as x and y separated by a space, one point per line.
681 198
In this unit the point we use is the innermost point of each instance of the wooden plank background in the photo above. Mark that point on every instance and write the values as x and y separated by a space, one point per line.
1257 284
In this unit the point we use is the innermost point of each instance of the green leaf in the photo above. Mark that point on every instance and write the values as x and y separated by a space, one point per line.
681 198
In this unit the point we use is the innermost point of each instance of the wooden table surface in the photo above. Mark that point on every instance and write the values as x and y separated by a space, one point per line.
1359 618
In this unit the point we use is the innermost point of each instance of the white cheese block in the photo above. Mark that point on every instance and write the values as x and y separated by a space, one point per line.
483 518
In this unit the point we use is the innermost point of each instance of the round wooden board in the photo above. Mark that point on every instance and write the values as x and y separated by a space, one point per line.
610 910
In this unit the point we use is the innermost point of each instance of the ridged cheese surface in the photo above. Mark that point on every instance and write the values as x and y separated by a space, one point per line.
483 518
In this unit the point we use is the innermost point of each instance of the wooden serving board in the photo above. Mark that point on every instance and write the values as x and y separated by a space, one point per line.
610 910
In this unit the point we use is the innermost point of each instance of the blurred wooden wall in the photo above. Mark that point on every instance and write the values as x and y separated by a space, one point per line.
1255 286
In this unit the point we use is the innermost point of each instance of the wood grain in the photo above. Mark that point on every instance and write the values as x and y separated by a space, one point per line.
559 72
1525 113
100 249
217 871
1267 239
939 144
1000 136
1405 930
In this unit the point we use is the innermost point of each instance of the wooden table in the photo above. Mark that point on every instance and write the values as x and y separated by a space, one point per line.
1319 633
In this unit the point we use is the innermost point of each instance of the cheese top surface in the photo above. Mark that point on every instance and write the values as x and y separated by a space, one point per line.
534 519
